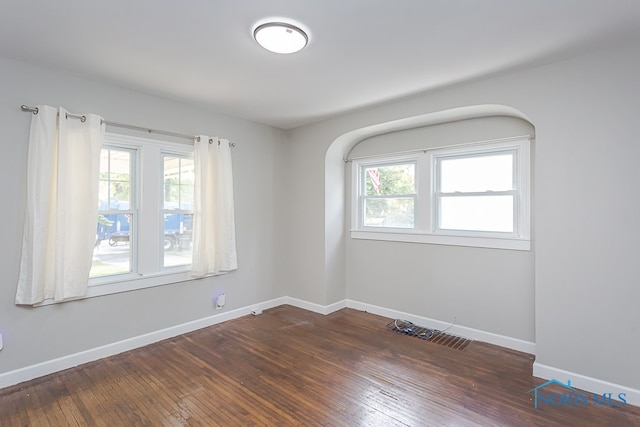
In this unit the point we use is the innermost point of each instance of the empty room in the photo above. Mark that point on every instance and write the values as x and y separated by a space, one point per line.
340 213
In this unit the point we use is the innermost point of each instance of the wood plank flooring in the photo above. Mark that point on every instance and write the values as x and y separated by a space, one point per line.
291 367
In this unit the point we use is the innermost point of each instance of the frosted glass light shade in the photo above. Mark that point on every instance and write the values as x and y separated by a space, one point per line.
279 37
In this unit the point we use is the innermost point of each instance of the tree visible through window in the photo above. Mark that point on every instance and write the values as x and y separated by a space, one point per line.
389 196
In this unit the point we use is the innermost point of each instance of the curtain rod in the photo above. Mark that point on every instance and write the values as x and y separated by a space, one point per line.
34 110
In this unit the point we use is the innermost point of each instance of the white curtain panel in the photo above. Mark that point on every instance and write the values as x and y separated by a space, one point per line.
62 206
214 232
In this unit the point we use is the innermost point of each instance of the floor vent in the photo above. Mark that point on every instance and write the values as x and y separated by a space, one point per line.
432 335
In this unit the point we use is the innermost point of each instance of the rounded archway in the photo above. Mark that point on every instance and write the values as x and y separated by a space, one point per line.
338 153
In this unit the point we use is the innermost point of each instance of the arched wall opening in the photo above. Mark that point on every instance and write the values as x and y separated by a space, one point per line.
340 285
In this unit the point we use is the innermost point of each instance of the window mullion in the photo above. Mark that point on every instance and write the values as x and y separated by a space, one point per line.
423 197
149 217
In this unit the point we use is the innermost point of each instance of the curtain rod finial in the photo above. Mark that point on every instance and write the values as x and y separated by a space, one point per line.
27 108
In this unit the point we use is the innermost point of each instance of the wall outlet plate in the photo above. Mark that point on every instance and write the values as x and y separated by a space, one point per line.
1 343
220 301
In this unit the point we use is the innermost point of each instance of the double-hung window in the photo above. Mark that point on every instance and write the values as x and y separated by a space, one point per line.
177 210
476 192
471 195
388 195
143 232
117 213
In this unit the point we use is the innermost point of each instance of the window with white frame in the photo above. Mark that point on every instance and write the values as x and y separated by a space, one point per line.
471 195
389 195
177 209
117 213
143 235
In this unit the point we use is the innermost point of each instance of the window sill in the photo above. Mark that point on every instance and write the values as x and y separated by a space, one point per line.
131 282
438 239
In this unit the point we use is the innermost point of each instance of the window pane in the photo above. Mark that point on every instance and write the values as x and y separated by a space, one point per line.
171 196
389 212
119 166
177 239
186 171
114 188
178 196
390 180
477 173
112 253
186 197
120 195
477 213
178 183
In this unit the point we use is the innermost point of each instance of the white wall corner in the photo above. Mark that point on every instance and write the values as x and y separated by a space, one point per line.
585 383
316 308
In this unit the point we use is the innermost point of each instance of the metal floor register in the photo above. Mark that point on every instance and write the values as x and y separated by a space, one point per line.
432 335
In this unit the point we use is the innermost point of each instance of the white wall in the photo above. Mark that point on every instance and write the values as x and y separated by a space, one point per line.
586 270
33 335
486 289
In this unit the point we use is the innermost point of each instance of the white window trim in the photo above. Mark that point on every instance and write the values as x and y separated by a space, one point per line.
144 278
361 187
425 231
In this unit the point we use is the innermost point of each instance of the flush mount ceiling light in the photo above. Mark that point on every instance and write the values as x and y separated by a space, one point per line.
279 37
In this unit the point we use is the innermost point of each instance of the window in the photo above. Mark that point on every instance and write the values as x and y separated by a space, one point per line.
145 216
475 192
178 210
389 195
471 195
116 213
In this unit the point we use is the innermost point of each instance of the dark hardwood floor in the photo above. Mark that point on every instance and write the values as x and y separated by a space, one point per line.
291 367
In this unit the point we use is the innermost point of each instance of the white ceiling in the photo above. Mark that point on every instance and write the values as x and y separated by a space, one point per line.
361 52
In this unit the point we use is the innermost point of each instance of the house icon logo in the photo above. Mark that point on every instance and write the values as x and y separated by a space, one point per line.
541 386
568 396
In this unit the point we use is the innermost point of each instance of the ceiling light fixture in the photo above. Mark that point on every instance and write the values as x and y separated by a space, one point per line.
279 37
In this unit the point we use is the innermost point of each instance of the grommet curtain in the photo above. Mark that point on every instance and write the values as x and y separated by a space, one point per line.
62 205
214 235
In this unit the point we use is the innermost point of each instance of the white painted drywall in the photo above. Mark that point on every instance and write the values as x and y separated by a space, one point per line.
33 335
486 289
586 271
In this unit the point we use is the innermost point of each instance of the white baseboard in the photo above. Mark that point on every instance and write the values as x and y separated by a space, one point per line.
547 372
589 384
579 381
316 308
50 366
462 331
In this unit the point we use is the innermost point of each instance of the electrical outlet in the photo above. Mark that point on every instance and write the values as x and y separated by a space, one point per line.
220 301
1 343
